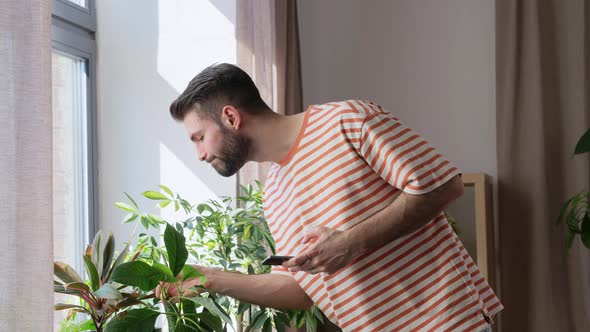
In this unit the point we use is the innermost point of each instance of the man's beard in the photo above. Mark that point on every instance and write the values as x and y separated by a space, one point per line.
233 154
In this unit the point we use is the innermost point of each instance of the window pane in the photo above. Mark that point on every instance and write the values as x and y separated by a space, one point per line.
70 189
81 3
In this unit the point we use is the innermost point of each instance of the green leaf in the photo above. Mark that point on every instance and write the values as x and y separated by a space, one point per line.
171 319
132 201
145 222
167 190
166 271
281 321
88 325
59 288
583 144
126 207
154 195
65 272
181 326
108 253
129 301
257 321
108 291
139 274
279 325
572 222
118 261
202 208
176 248
134 320
315 310
310 325
79 286
242 307
164 204
64 306
210 305
586 230
267 327
189 308
92 273
96 254
563 209
156 219
247 229
189 272
212 321
129 218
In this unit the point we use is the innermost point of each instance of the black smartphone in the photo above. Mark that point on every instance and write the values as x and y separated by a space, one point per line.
275 260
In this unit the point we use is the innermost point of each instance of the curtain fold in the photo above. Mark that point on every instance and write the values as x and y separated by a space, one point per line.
542 110
268 50
26 262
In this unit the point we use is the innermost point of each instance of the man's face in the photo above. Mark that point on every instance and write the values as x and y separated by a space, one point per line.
224 148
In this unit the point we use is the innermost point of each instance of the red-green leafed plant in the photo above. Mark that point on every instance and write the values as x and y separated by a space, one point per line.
101 296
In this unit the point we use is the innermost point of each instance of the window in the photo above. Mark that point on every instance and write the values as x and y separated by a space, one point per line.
74 123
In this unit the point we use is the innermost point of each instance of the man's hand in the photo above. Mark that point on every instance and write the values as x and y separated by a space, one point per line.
329 253
172 291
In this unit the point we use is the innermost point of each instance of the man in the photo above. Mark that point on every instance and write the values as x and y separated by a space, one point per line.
355 196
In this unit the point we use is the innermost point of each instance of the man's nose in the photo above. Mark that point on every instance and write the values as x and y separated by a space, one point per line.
202 155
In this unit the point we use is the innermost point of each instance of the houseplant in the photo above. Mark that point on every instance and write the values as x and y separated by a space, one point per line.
119 297
232 234
101 297
575 210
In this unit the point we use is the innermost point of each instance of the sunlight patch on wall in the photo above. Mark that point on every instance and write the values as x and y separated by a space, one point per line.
176 176
193 35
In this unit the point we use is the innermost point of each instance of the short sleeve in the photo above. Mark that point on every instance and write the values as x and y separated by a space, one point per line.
401 156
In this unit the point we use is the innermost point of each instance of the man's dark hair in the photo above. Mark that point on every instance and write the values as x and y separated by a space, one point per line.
214 87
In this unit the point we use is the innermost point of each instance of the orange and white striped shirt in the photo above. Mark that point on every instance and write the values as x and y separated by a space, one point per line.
349 161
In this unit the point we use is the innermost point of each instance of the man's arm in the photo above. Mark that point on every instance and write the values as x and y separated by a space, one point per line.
267 290
334 250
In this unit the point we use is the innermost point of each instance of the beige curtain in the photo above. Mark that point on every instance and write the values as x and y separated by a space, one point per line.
26 269
268 50
542 91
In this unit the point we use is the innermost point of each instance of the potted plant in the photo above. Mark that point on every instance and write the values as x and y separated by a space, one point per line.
232 234
100 295
575 210
119 296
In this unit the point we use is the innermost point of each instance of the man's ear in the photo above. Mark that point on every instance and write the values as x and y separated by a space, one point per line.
231 117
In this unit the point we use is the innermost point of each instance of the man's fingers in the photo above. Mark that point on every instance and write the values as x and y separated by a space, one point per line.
298 260
308 236
317 269
313 234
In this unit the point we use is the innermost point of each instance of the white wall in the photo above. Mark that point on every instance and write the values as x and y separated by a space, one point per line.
430 62
148 50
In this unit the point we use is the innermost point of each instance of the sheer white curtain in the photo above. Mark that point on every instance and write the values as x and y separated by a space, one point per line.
26 251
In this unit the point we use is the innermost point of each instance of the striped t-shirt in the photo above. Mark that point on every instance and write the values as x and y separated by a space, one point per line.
349 161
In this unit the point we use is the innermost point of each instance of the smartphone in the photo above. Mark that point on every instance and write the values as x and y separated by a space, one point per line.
276 260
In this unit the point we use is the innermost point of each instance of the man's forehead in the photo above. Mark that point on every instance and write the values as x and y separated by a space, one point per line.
196 123
193 118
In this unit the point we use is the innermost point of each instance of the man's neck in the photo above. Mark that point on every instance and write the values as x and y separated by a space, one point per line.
273 135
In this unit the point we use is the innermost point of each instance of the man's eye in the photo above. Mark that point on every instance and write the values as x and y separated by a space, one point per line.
201 138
